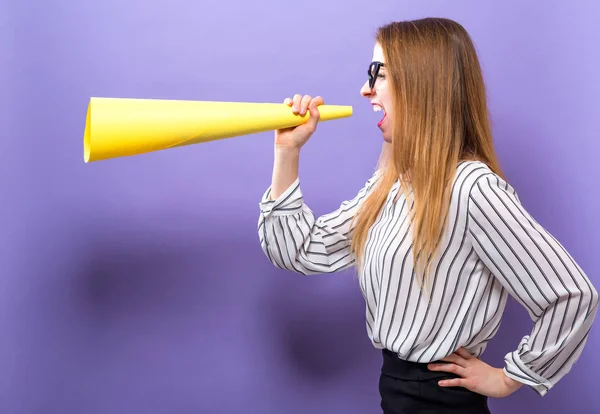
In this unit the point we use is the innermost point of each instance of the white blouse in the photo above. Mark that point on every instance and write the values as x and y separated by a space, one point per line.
492 247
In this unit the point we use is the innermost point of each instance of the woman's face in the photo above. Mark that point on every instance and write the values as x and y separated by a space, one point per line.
379 94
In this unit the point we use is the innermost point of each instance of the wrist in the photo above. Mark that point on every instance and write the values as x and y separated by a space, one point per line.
287 151
510 384
285 169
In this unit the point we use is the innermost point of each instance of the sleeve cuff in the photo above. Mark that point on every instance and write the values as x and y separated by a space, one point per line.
289 202
516 369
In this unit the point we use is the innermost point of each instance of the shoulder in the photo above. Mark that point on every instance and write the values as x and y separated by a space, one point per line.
480 186
373 179
469 172
475 179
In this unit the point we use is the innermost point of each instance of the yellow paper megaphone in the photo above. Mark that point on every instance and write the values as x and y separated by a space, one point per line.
119 127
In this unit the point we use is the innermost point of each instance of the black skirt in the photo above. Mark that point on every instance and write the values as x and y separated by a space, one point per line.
410 387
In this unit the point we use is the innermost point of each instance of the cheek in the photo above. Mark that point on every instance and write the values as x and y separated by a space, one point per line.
389 110
386 100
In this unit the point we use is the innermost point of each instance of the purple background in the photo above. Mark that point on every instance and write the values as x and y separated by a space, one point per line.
138 284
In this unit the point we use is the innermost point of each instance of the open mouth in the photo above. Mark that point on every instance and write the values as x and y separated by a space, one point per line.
379 108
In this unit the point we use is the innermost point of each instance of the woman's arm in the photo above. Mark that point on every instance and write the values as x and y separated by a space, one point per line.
539 273
294 239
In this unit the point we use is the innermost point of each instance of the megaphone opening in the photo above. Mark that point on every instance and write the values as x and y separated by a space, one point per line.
86 135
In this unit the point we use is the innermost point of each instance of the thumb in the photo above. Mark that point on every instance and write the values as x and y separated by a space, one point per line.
314 112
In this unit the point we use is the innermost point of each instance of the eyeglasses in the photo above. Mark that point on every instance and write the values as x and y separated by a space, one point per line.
373 72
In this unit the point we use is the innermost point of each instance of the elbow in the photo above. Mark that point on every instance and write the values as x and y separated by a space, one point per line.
589 299
590 295
593 300
591 315
276 258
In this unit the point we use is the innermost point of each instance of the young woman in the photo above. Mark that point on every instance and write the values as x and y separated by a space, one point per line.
437 234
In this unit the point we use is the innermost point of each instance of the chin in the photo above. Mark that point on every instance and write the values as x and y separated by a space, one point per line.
387 137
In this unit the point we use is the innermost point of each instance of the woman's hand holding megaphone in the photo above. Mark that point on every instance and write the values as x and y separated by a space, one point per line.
296 137
288 142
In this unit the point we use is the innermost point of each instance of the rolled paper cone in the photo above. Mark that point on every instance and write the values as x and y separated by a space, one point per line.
119 127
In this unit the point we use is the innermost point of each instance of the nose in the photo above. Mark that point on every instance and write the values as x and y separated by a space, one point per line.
366 91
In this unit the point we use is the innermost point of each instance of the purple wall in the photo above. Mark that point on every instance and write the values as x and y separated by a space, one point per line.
138 284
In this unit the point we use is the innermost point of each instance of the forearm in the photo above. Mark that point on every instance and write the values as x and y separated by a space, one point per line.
285 170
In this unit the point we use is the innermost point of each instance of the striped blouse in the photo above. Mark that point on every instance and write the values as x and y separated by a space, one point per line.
492 247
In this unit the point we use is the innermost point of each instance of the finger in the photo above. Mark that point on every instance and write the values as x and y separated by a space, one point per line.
318 100
454 382
314 113
288 101
456 359
306 99
464 353
296 103
452 368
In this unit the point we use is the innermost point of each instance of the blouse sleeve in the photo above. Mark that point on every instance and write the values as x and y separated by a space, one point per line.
294 239
541 275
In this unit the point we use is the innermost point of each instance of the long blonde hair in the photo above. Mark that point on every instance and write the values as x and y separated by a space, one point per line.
440 119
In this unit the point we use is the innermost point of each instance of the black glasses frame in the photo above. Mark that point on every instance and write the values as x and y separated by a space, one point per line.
373 72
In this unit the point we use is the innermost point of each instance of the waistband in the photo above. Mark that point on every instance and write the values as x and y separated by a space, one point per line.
396 367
